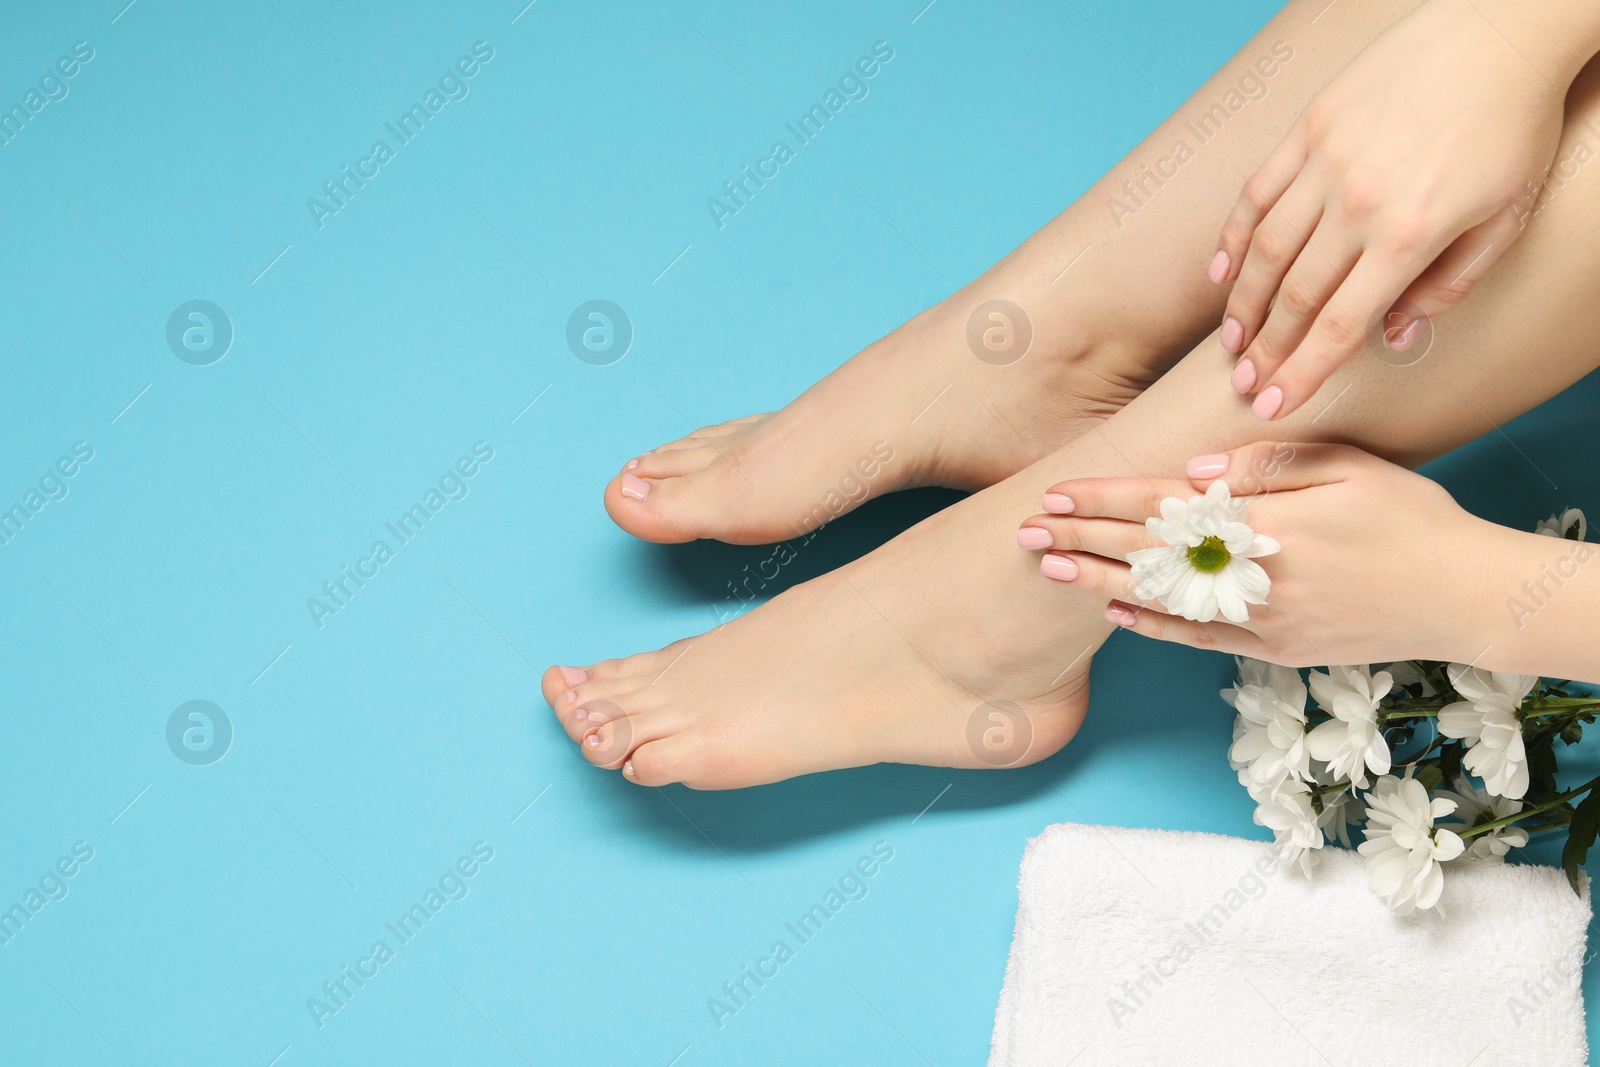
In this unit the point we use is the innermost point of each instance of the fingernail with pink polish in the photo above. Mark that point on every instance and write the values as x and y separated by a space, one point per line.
1408 336
1232 334
1268 403
1219 267
574 675
635 487
1207 466
1061 568
1243 378
1120 616
1059 504
1033 537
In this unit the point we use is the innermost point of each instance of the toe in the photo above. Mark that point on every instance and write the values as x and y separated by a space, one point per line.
675 463
657 762
610 745
673 510
559 680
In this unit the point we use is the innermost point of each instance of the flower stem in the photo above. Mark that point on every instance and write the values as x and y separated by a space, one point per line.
1538 809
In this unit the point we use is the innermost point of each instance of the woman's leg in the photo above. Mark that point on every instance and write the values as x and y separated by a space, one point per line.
946 647
1113 288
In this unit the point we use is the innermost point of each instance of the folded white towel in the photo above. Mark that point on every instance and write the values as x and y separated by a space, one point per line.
1141 947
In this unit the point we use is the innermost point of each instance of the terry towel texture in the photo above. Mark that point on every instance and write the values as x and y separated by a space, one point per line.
1137 947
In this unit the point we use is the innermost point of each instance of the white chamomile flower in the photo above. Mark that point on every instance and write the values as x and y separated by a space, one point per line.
1487 721
1287 811
1569 524
1340 810
1207 565
1403 848
1351 743
1270 735
1476 806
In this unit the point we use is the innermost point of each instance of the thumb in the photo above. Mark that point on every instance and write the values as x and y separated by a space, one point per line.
1273 467
1449 279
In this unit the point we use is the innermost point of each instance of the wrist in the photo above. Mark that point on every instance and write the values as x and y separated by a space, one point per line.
1537 606
1555 37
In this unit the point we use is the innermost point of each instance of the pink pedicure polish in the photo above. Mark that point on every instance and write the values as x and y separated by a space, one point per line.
627 768
1268 403
1120 616
632 463
593 740
1232 334
581 714
1059 504
1207 466
1061 568
574 675
571 697
1034 537
635 487
1243 378
1219 267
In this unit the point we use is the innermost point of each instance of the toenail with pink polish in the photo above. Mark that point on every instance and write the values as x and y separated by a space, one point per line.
1207 466
581 714
635 487
1268 403
593 740
627 768
1033 537
1061 568
632 463
574 675
1243 378
1059 504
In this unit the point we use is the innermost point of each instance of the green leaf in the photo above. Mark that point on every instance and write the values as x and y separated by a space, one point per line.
1580 836
1541 772
1430 776
1572 733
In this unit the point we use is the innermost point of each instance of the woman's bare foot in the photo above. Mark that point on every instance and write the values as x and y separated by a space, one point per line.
926 405
943 647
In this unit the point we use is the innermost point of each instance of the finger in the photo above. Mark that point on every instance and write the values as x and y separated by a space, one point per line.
1449 279
1092 574
1277 467
1261 191
1277 244
1131 499
1310 283
1220 636
1111 538
1340 329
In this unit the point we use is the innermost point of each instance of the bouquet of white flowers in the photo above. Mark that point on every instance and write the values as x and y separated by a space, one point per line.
1435 762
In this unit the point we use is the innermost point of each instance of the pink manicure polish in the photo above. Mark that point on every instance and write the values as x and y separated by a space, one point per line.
1034 537
632 463
1120 616
1268 403
1061 568
1219 267
1244 377
1408 336
1059 504
1207 466
1232 334
635 487
574 675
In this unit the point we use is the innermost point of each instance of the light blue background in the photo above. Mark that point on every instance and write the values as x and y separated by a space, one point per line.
422 318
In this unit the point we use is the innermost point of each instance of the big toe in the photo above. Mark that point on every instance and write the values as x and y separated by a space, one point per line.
680 496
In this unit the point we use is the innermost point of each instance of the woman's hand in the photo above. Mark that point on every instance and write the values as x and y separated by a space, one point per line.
1399 186
1377 563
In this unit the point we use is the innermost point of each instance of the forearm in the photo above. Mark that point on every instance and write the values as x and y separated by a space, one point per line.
1537 607
1556 37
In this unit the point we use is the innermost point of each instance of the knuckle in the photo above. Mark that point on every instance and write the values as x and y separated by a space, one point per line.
1151 503
1339 327
1269 245
1361 196
1254 195
1406 235
1298 296
1267 352
1451 293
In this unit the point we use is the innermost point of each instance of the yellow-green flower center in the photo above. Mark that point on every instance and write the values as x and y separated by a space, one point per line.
1210 555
